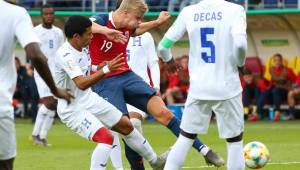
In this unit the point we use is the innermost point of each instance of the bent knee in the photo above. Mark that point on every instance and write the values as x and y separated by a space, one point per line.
164 116
103 136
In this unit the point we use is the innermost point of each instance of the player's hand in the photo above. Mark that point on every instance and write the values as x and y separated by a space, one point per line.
163 17
115 36
117 63
173 66
63 94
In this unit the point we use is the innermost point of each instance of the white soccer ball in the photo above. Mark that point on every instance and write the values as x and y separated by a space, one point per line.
256 155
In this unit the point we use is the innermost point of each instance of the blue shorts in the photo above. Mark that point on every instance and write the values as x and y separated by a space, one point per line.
125 88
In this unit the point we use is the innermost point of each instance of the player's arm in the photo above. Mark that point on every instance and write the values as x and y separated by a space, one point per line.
146 26
239 36
25 34
111 34
39 62
113 65
175 32
153 62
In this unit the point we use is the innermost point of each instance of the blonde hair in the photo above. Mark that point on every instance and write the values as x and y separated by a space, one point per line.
134 5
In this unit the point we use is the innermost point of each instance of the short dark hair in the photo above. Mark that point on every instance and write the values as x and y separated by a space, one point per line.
118 3
46 6
278 55
76 24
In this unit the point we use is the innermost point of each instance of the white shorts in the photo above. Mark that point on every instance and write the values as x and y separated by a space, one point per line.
86 120
43 89
229 114
131 108
7 138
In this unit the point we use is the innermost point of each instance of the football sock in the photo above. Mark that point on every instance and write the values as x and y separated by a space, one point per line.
137 123
178 153
100 156
139 144
39 120
116 155
235 156
47 123
134 159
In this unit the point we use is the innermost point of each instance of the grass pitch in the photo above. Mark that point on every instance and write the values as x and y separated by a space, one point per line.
71 152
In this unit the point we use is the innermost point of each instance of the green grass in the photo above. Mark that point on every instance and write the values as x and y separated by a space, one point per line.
71 152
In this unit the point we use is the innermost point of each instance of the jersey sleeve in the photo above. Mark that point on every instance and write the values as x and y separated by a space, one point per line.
100 19
177 30
68 64
152 55
152 61
239 25
24 30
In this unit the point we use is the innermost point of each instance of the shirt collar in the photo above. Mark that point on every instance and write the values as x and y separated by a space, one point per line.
73 49
111 19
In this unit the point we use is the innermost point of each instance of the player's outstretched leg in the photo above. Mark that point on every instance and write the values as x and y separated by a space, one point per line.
102 151
235 156
158 109
138 143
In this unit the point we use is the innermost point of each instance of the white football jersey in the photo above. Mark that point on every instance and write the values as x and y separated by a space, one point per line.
211 26
141 53
17 25
71 63
51 39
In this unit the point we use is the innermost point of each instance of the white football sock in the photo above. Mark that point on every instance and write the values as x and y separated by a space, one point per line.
204 150
139 144
48 121
235 156
116 155
137 123
178 153
39 120
100 156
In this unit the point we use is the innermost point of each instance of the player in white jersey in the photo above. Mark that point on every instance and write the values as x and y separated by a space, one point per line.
217 35
141 56
89 114
51 38
18 26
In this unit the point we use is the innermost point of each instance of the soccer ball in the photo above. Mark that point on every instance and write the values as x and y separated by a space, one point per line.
256 155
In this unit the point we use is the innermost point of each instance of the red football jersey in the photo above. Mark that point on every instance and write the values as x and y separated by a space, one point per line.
102 49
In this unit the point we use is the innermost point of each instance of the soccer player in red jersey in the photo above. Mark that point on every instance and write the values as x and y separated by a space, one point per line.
125 86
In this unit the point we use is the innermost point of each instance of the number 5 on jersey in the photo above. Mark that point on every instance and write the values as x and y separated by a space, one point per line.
106 46
204 32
